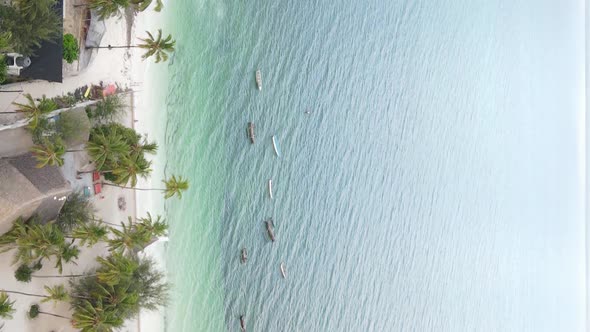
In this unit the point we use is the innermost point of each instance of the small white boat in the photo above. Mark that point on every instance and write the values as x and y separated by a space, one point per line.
283 270
259 79
275 146
270 188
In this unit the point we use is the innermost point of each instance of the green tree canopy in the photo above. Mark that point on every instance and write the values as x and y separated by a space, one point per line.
116 291
109 8
30 22
33 111
158 47
49 153
6 306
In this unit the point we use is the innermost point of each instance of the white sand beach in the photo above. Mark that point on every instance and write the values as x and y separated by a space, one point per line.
125 68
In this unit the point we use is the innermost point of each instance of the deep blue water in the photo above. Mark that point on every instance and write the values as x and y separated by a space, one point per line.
436 185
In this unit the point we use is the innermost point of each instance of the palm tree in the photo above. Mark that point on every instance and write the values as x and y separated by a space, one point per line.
90 233
6 306
91 317
56 293
115 268
34 242
49 154
141 5
131 168
108 8
34 311
158 47
127 239
24 273
144 147
134 285
103 148
34 111
108 109
31 241
152 228
76 210
174 187
67 254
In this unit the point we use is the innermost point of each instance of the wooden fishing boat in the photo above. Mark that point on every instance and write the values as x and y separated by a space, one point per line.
270 229
283 270
270 188
244 255
251 132
275 146
259 79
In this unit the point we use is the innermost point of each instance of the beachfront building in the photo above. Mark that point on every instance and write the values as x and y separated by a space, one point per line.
26 190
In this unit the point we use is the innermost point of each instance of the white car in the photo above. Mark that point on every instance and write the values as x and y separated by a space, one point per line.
17 62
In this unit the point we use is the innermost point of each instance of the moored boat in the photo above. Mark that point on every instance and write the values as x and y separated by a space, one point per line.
244 256
283 270
242 323
275 146
259 79
270 188
251 132
270 229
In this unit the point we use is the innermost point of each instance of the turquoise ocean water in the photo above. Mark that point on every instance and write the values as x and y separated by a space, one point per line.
436 185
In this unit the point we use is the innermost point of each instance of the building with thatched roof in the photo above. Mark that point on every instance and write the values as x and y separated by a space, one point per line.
26 190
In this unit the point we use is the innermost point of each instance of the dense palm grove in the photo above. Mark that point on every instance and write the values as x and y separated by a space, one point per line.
122 283
103 298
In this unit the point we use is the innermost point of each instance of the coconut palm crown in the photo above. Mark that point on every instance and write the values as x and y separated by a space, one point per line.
175 186
157 47
6 306
49 153
34 111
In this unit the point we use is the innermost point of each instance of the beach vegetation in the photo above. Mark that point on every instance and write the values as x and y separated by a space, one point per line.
34 242
43 131
35 311
70 48
116 291
174 186
3 69
134 237
30 22
73 127
4 37
108 8
157 47
24 273
141 5
34 111
109 109
119 153
6 306
57 293
76 211
49 153
90 233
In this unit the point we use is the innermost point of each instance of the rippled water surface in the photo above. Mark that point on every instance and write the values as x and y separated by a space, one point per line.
434 185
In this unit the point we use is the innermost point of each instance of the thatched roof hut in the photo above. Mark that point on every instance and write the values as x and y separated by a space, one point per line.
26 190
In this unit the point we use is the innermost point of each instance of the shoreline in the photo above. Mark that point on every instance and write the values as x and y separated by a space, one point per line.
109 66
